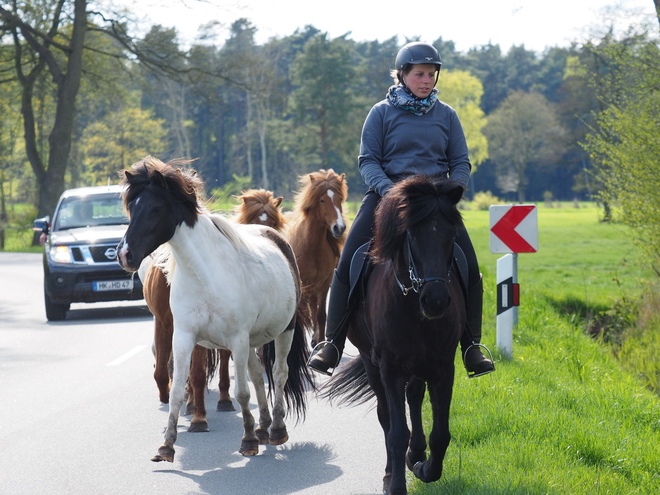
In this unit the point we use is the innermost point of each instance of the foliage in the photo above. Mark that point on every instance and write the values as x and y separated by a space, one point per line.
462 91
523 131
625 144
484 200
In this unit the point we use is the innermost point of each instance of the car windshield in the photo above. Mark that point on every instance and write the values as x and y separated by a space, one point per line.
90 211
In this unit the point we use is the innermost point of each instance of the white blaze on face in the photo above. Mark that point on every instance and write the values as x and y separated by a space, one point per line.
340 220
263 217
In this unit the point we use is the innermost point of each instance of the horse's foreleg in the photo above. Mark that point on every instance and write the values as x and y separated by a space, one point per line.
197 380
440 396
163 327
399 434
321 315
224 399
417 446
256 372
249 442
283 342
182 350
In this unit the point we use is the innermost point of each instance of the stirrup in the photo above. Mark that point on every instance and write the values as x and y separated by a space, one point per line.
474 374
314 361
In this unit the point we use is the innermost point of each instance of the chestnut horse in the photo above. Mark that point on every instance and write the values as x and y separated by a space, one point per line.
256 206
316 232
218 270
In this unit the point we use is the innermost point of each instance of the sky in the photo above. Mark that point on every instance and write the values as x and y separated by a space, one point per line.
536 24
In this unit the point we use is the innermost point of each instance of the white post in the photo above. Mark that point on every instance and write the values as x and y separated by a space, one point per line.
507 302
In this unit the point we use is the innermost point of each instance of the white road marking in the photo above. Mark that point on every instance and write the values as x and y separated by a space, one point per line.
127 356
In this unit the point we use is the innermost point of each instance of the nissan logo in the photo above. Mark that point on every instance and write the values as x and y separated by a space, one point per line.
111 253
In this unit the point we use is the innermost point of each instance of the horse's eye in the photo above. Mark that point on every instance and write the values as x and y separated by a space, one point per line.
322 201
157 209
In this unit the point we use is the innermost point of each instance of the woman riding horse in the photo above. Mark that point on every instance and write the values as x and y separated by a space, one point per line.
409 132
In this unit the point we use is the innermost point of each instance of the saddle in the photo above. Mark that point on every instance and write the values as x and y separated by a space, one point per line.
361 268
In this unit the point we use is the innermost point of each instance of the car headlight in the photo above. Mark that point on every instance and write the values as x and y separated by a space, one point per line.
61 254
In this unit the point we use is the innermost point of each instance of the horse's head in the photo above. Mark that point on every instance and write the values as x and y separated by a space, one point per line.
415 227
322 194
261 207
158 197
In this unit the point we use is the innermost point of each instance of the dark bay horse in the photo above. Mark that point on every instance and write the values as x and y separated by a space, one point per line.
255 206
317 230
409 324
233 286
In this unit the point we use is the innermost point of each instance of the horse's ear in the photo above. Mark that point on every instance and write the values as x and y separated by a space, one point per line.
341 177
311 178
159 179
278 201
455 193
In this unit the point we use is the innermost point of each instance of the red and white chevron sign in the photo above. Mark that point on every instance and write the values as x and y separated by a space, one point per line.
513 229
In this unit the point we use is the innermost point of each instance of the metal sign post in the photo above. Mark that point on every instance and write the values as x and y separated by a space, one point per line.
513 229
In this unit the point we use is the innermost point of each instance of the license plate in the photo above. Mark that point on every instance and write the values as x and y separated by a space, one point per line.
106 285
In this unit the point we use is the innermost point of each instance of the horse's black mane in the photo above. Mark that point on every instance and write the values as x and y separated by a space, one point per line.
169 180
409 203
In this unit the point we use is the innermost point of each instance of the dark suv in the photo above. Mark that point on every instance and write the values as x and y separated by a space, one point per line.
80 256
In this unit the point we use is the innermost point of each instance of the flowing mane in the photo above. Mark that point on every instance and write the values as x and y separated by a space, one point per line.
407 204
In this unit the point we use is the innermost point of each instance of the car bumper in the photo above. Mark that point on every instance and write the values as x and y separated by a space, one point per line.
66 284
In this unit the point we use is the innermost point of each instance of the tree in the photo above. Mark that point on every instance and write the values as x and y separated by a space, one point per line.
322 103
522 132
463 91
624 144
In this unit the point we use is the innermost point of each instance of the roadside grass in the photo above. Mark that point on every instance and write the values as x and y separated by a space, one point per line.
562 416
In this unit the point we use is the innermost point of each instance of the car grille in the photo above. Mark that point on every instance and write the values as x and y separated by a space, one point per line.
98 253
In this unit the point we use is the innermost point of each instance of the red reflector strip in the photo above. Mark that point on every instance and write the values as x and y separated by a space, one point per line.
516 295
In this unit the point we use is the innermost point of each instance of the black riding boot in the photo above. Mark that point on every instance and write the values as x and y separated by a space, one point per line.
327 354
475 362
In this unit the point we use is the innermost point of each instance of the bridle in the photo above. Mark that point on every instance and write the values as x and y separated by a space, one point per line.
415 281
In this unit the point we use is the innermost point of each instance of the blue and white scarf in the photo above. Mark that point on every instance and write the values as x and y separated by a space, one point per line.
401 97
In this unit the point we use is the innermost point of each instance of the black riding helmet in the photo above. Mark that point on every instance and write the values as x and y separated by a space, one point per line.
416 53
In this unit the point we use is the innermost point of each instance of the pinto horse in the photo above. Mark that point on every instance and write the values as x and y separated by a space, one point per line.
255 206
233 286
317 230
408 327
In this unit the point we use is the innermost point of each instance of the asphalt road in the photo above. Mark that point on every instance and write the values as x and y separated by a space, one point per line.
79 413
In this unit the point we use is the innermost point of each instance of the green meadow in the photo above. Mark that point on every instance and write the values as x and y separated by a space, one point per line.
562 416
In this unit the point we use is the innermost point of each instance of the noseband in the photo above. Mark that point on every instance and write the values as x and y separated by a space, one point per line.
415 281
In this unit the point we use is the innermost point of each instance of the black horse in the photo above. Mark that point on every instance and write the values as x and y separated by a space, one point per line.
408 324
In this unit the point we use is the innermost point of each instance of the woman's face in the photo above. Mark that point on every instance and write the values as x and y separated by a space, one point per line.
420 80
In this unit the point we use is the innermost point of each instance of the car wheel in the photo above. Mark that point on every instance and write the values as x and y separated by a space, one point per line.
55 312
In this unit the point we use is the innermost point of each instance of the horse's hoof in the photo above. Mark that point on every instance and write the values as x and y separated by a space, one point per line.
278 436
249 448
164 454
412 459
199 427
262 435
225 406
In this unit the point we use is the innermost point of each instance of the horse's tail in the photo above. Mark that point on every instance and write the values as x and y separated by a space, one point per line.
212 359
349 385
300 379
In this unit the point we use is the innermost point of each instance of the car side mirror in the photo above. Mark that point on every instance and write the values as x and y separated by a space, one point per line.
42 225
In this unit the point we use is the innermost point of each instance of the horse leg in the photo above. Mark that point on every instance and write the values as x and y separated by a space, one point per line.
417 446
283 342
256 372
440 396
197 382
321 315
399 434
382 410
249 442
317 336
183 348
224 400
162 353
